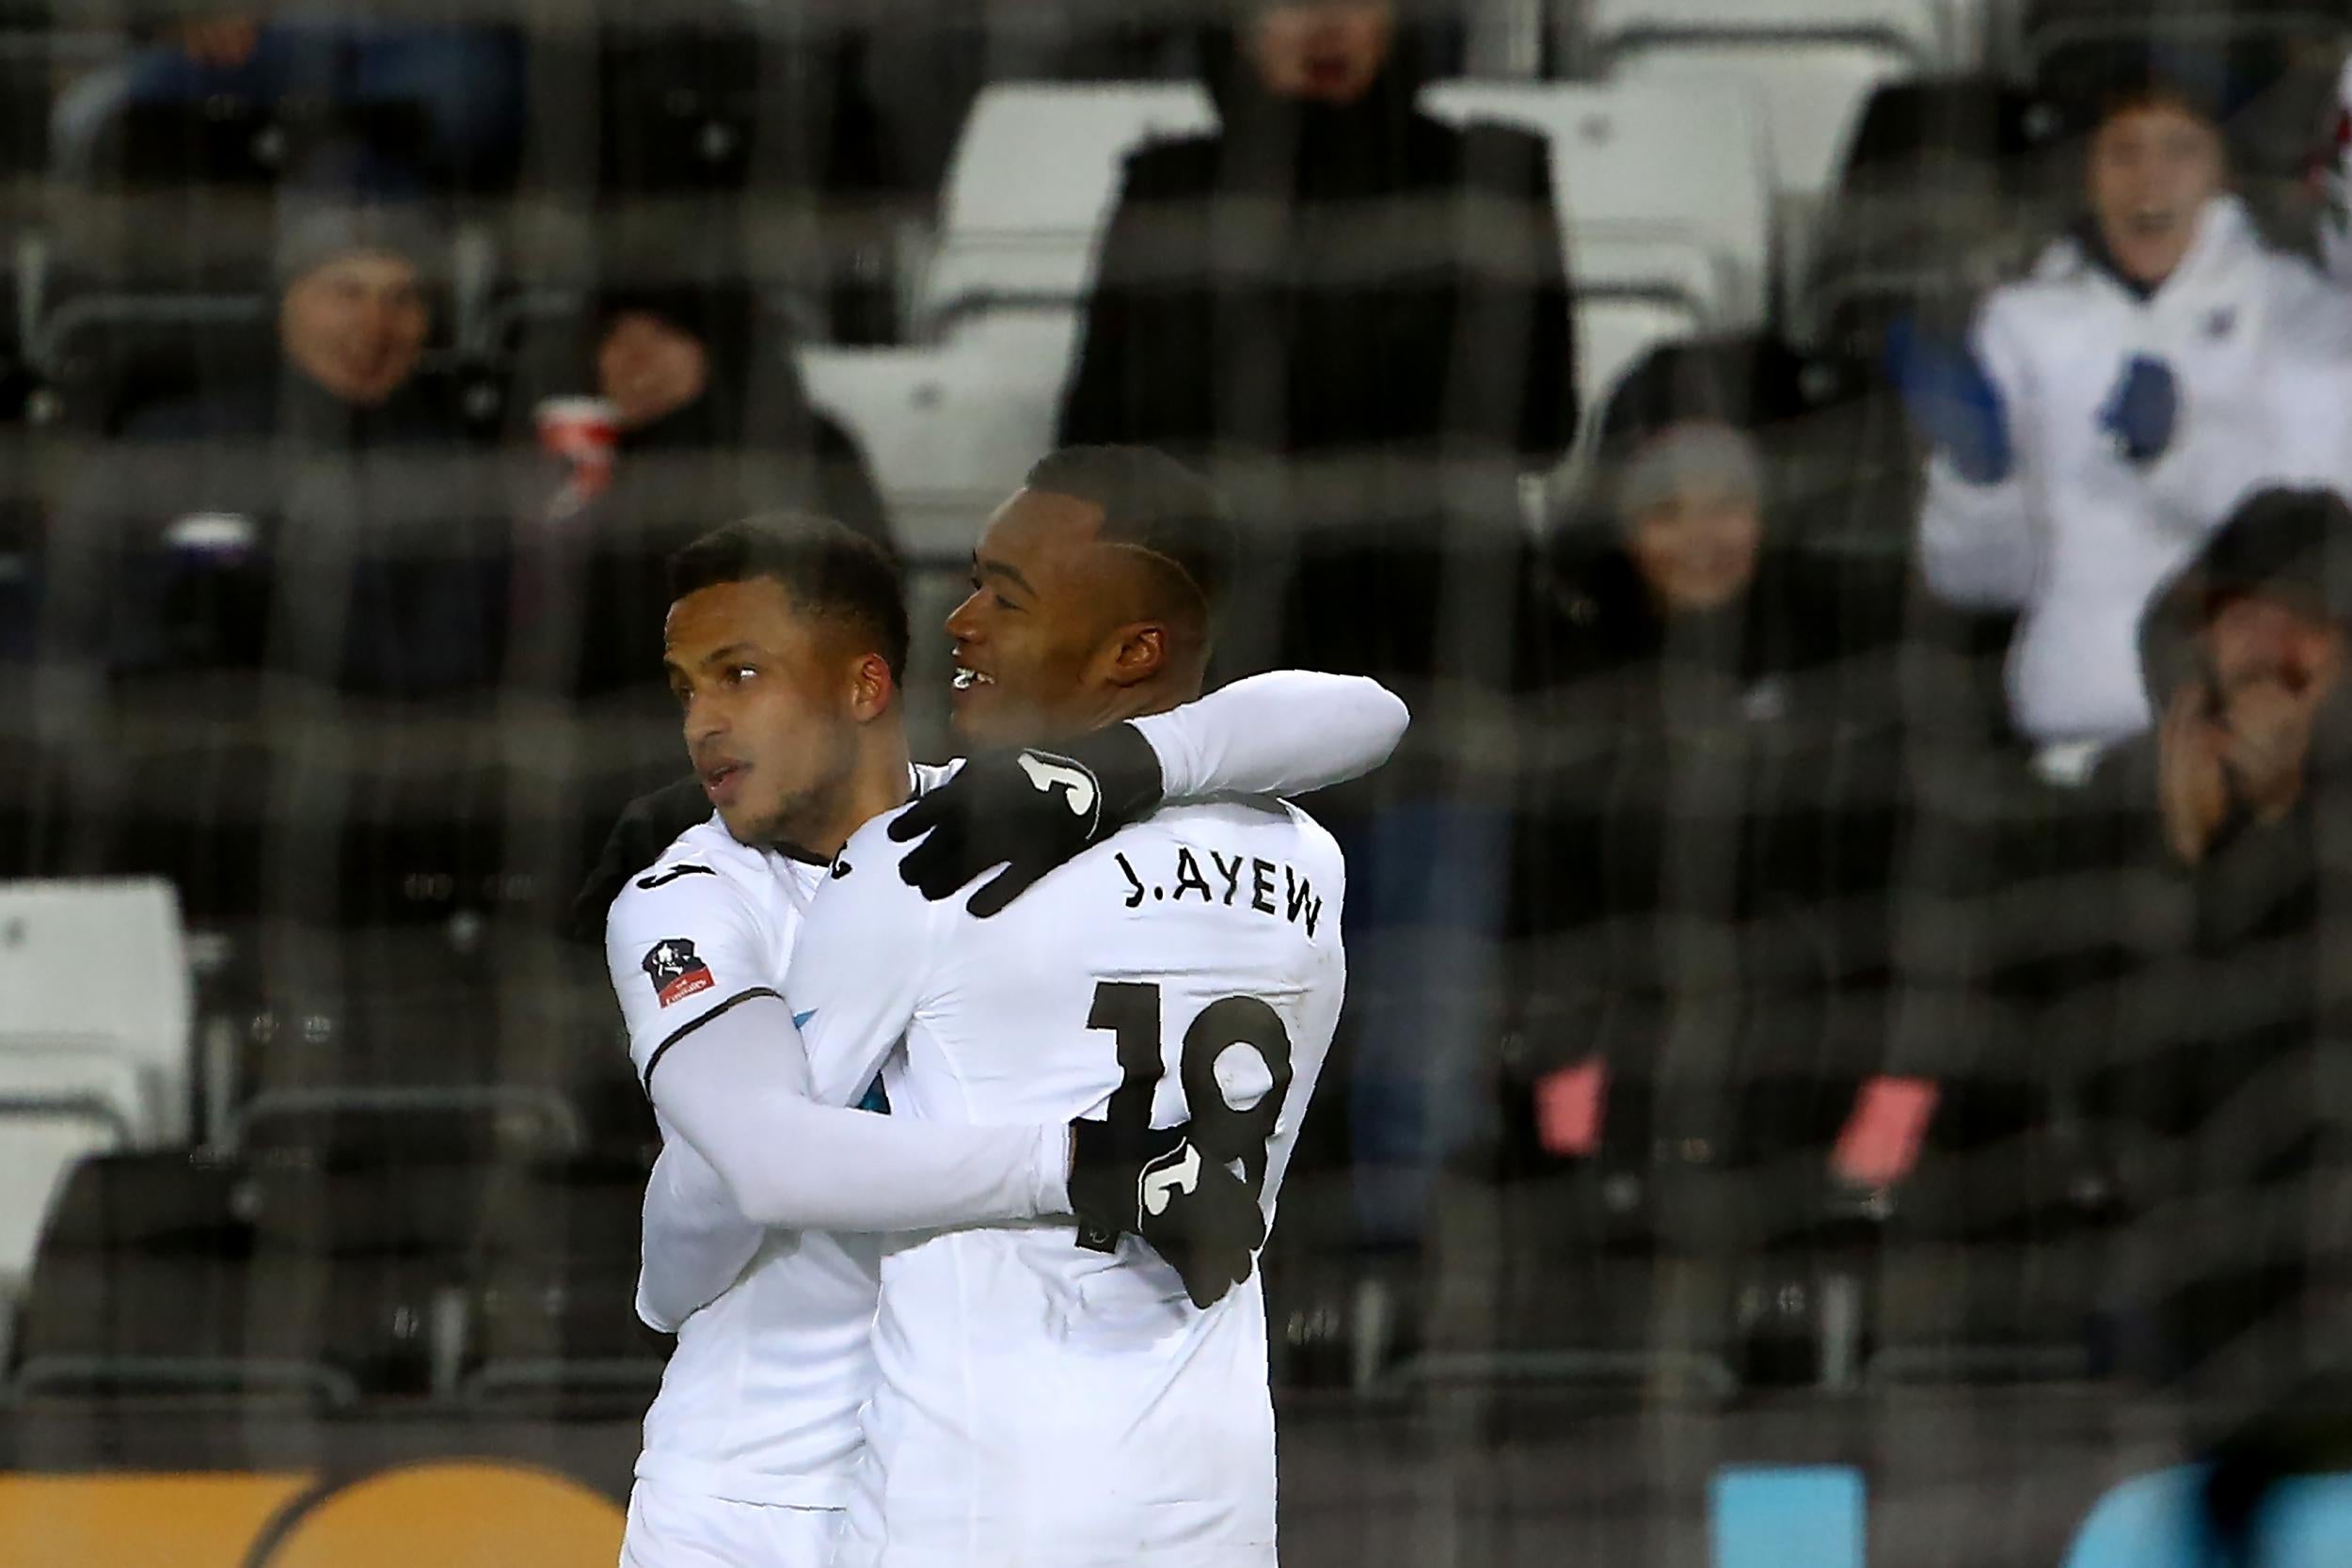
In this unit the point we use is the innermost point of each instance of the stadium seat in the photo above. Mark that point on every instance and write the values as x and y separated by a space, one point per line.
102 354
1808 66
1924 31
1968 119
228 141
145 1289
29 56
1647 172
379 1252
20 566
454 1122
680 108
2017 1308
1560 1281
949 430
1948 183
1036 175
1809 98
556 1272
96 1020
1615 335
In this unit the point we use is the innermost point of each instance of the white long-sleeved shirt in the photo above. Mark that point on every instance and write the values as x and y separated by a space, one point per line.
2078 538
1041 1404
759 1402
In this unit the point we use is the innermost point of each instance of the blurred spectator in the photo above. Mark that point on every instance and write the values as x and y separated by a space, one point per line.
1340 281
1712 812
697 372
710 421
466 81
319 515
2218 994
1356 318
2110 411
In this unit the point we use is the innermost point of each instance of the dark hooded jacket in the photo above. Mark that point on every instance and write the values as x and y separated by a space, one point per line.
372 556
1357 319
592 583
2202 1015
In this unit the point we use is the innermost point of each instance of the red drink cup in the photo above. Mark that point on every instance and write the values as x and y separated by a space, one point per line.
583 432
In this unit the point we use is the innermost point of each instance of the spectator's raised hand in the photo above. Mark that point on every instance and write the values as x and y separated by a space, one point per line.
2142 411
2192 780
1952 401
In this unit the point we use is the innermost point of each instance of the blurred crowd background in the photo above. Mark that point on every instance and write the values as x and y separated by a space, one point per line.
1850 488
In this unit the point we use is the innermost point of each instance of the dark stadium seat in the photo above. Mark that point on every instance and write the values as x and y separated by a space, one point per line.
1566 1281
1989 1267
1962 119
274 1277
27 72
555 1277
681 108
19 561
104 354
1947 184
229 141
453 1122
403 1044
147 1286
379 1251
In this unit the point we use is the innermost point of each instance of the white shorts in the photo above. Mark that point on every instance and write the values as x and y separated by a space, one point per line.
670 1528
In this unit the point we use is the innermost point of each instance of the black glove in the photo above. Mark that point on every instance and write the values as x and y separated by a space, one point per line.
650 825
1027 811
1156 1183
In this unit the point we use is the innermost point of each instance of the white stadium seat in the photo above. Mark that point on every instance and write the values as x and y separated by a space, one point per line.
1810 96
1639 168
1809 67
949 429
1666 216
1612 335
1035 177
97 1011
1927 32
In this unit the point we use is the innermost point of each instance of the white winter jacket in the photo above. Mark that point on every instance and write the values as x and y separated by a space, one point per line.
2261 349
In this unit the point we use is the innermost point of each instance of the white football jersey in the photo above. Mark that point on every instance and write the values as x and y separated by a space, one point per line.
1041 1403
759 1402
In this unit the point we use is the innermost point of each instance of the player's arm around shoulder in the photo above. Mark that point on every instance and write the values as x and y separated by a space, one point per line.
862 964
1288 732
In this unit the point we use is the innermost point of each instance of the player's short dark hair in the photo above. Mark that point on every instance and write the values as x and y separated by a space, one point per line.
829 570
1155 503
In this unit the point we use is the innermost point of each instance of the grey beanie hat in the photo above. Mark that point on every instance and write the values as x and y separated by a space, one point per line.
1696 453
349 197
316 227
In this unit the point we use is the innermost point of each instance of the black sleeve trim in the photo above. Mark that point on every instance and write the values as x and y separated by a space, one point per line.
645 1078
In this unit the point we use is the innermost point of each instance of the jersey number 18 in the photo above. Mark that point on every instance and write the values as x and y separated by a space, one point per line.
1130 1010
